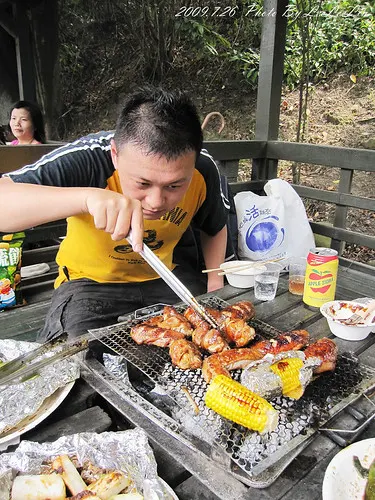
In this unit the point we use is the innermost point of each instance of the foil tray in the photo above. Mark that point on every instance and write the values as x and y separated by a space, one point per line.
259 459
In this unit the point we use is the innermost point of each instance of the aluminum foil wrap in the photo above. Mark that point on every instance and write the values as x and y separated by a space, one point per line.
20 400
128 451
259 378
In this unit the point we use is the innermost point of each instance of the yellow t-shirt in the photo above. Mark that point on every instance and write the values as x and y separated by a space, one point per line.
88 252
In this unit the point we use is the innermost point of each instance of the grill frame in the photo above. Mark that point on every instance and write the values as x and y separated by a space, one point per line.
228 442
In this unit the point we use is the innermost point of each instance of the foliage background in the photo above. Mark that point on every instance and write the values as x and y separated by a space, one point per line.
210 50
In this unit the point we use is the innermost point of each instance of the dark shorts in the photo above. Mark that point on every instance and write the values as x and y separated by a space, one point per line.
83 304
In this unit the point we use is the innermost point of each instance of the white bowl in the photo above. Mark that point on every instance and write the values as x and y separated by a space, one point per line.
341 479
342 309
244 278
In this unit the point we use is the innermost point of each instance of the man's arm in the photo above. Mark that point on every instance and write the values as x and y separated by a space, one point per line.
213 248
26 205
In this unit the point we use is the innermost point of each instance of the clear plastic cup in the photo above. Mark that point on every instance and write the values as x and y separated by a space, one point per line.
297 270
265 283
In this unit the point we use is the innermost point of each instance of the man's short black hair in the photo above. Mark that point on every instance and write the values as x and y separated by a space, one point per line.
159 122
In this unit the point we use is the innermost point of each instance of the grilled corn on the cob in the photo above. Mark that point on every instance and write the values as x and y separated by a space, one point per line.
232 400
288 370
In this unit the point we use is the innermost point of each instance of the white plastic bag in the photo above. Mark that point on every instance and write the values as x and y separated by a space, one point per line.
273 226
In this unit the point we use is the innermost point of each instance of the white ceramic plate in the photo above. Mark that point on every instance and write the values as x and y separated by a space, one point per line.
49 405
168 490
341 479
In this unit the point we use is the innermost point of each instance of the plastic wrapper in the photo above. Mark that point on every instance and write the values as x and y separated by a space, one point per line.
20 400
259 378
128 451
10 269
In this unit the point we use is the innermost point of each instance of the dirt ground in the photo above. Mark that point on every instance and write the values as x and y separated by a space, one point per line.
340 113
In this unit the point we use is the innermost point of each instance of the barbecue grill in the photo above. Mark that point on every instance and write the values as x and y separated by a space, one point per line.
257 459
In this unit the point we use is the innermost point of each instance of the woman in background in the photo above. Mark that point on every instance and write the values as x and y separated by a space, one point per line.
27 124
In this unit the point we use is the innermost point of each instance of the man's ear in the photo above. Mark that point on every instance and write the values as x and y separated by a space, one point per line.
114 153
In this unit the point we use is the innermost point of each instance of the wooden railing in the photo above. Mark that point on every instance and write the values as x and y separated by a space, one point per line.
346 159
265 156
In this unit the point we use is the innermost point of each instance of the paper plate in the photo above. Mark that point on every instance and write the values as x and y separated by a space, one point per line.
48 406
171 495
341 479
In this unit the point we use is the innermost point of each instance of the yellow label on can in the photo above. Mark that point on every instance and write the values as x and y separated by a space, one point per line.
320 279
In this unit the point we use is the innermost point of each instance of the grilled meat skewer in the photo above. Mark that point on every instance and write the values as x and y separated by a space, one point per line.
235 328
222 363
185 354
204 336
326 351
153 335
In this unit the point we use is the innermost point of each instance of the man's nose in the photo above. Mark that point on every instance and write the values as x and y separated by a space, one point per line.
155 199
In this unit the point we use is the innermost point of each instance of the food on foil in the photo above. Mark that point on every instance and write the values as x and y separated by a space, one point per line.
42 487
185 354
204 336
286 374
61 479
235 402
289 373
223 363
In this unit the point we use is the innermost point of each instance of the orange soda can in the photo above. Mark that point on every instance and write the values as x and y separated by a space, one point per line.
321 276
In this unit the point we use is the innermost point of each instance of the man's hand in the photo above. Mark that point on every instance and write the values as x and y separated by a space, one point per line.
116 214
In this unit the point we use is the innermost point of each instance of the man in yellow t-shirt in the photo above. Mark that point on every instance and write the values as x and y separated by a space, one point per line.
151 176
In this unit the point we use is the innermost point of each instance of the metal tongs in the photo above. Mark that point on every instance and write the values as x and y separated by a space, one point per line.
23 368
173 282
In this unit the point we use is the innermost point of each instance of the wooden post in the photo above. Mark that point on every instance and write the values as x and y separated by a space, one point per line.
341 211
271 69
25 59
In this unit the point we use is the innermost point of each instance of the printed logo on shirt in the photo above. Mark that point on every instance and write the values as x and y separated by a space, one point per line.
150 240
176 216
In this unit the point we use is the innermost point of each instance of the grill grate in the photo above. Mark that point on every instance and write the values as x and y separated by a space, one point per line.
253 452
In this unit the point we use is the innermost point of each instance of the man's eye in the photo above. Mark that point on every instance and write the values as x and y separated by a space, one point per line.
143 184
174 186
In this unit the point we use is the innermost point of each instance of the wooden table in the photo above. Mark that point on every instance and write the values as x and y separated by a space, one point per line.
95 405
303 477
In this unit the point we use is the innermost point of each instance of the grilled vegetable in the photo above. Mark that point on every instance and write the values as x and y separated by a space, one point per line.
109 484
370 486
369 473
38 487
85 495
65 467
232 400
288 370
127 496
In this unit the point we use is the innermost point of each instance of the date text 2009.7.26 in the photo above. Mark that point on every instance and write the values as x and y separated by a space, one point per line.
207 11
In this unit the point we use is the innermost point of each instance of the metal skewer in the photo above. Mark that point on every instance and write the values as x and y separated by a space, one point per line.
173 282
